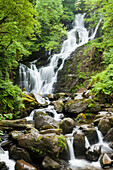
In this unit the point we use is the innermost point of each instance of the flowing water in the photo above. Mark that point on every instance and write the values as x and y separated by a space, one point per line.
79 164
42 80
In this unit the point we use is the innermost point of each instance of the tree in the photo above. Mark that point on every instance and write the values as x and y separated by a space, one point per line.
17 25
49 16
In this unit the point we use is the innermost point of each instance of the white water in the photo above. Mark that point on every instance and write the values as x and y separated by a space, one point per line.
5 157
42 80
80 163
49 109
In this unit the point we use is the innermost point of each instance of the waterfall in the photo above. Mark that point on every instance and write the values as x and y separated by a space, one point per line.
42 80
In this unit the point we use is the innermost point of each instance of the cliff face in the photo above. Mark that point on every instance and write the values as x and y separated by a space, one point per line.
78 69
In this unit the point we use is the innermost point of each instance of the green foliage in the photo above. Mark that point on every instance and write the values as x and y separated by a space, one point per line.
17 26
102 83
61 142
10 100
69 11
108 57
51 29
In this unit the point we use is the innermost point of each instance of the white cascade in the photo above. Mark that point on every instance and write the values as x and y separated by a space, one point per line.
42 80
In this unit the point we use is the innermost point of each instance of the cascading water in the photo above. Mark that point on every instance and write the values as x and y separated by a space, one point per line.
42 80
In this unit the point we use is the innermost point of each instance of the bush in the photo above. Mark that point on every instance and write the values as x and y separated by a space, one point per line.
10 99
102 83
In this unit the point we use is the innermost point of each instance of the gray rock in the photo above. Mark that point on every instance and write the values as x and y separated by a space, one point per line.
67 125
76 106
50 164
79 143
109 135
104 126
45 122
18 153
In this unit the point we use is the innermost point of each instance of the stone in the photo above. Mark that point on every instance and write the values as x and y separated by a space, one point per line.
104 126
109 136
42 145
67 125
45 122
57 131
14 134
95 108
3 165
76 106
93 153
91 134
59 105
22 165
50 164
105 161
79 143
18 153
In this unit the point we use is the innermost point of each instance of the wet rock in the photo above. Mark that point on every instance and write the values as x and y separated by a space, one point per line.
22 165
13 124
76 106
57 131
3 166
79 143
105 161
109 135
104 126
67 125
39 113
59 105
93 153
42 145
91 134
96 107
14 134
17 153
50 164
60 96
45 122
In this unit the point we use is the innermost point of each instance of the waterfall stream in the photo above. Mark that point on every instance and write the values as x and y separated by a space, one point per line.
42 80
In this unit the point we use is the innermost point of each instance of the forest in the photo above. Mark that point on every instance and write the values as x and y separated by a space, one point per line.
29 26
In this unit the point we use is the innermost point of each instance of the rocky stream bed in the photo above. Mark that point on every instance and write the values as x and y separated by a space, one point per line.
61 132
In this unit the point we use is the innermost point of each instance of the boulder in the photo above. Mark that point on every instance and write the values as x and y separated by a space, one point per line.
45 122
42 145
18 153
109 136
79 143
59 105
50 164
93 153
3 165
91 134
22 165
67 125
76 106
104 126
105 161
94 108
